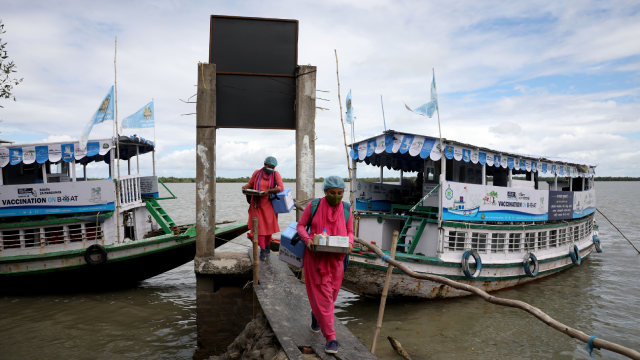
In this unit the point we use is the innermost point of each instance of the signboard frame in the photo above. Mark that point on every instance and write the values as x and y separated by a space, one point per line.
256 61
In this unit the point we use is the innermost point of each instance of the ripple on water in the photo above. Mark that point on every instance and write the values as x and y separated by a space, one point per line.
157 318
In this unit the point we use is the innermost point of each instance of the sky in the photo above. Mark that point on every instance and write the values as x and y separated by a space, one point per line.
539 77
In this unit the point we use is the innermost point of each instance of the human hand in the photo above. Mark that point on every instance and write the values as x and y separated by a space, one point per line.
350 248
309 247
245 187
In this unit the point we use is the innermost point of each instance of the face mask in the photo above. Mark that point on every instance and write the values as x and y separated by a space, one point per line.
334 200
268 171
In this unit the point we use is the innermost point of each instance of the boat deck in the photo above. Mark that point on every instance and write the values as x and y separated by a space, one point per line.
284 301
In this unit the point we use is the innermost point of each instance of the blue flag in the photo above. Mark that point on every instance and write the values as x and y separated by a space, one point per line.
429 108
104 112
143 118
350 116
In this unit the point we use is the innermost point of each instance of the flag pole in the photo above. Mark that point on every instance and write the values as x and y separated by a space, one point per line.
115 72
383 119
353 203
442 159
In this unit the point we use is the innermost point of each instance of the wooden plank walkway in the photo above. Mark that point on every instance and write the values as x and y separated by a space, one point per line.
284 301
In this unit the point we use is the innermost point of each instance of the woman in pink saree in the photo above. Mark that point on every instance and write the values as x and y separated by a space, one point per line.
268 180
324 271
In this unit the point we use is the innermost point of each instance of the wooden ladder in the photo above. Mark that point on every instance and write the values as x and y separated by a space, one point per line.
161 216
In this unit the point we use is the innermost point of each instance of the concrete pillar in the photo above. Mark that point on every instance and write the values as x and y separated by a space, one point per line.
305 135
206 160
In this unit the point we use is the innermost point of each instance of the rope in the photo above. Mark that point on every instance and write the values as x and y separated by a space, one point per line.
618 230
589 346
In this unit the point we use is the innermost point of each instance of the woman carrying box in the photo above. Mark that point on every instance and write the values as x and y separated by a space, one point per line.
323 271
269 181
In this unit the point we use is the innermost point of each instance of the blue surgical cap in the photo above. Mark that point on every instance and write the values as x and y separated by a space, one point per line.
333 182
270 160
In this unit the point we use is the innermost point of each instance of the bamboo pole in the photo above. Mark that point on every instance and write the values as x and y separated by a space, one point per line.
539 314
383 301
256 265
344 134
115 73
618 230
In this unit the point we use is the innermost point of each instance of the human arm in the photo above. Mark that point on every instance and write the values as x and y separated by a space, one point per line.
279 185
302 223
251 183
350 231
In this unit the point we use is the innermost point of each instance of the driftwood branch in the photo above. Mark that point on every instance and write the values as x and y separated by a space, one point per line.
618 230
576 334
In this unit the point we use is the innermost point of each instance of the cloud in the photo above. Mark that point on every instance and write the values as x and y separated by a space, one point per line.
500 67
506 128
59 138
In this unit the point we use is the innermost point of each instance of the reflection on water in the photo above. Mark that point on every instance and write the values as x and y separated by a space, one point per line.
157 319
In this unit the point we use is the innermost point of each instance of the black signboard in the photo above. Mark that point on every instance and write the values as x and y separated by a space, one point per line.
560 205
256 61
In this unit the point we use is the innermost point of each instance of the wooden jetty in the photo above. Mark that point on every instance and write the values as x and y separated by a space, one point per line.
283 299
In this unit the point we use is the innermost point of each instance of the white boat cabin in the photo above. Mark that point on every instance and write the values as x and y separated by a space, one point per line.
49 200
470 197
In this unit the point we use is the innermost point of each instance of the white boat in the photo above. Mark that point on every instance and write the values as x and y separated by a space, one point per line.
60 229
489 235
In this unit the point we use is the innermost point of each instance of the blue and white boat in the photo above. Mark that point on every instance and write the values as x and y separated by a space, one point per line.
59 228
481 217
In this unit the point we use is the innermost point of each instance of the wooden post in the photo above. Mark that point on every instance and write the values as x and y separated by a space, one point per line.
206 161
383 301
256 264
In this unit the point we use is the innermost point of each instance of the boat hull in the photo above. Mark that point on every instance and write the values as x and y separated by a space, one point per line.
366 277
125 266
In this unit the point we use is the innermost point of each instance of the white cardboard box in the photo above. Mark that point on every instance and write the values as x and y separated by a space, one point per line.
338 241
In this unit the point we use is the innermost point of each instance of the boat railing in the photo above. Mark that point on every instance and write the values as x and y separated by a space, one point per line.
51 235
524 240
130 195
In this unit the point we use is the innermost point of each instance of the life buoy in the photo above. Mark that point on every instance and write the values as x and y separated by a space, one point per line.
596 243
527 267
465 264
103 255
575 255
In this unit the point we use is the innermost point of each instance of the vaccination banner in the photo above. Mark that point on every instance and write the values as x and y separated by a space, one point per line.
468 202
57 198
584 203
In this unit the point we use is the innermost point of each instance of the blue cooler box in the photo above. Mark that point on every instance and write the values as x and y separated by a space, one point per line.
288 253
284 203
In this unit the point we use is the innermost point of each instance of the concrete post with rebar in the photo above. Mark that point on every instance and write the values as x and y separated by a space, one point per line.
222 302
305 133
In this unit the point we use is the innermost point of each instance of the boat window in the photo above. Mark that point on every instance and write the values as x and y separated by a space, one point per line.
75 232
497 242
20 174
456 240
530 241
576 234
479 242
562 237
54 235
553 238
514 242
32 237
542 240
91 233
11 239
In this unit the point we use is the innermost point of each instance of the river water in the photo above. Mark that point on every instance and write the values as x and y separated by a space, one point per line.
156 320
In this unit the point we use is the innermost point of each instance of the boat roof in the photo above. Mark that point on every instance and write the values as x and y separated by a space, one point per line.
96 150
402 146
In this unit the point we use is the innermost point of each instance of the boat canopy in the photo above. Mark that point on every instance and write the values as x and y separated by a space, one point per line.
407 152
68 151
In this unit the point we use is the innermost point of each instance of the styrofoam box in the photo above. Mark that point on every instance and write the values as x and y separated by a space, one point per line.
285 202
